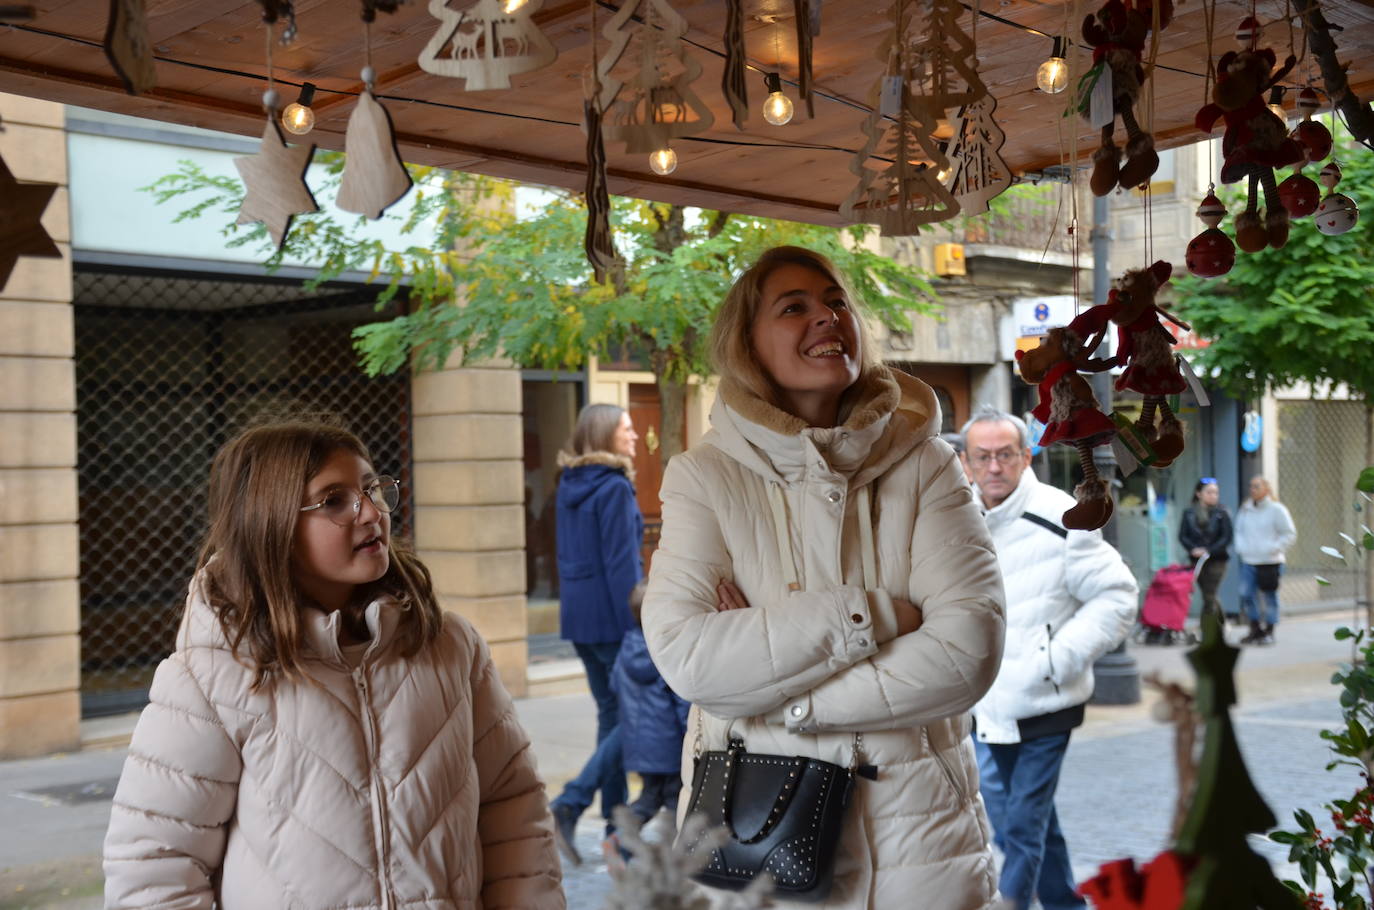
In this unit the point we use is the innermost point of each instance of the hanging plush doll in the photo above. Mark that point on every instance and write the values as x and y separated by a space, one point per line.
1256 140
1117 34
1069 411
1146 350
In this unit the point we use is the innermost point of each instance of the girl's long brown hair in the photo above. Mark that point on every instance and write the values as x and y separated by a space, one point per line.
257 481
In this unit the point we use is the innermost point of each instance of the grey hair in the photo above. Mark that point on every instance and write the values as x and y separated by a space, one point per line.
988 414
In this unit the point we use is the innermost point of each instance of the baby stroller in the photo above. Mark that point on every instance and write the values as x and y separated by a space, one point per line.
1165 610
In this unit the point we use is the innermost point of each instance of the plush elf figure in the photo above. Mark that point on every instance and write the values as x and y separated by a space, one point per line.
1070 413
1146 350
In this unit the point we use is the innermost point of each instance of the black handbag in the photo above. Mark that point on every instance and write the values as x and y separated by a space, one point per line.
784 814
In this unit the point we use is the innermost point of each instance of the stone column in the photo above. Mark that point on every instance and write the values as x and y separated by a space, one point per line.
470 502
40 613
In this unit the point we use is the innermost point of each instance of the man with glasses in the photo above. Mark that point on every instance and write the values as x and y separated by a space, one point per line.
1070 600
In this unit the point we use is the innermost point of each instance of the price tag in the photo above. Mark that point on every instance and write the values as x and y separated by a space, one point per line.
890 100
1100 112
1199 394
1131 447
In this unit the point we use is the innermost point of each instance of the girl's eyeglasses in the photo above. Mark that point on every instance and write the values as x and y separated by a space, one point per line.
343 506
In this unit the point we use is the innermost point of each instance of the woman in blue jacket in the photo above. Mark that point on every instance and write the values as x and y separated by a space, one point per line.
599 533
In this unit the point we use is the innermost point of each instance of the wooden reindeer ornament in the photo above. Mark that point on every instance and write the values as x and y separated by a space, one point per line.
484 45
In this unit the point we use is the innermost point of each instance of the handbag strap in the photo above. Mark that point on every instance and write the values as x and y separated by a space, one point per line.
780 804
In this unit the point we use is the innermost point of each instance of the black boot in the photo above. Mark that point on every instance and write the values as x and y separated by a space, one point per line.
1256 633
565 832
1267 636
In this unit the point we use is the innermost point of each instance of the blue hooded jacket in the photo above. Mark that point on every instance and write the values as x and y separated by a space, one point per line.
599 535
653 718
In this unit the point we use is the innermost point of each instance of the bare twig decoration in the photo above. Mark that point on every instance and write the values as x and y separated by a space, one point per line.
732 81
1177 707
599 242
803 21
1359 117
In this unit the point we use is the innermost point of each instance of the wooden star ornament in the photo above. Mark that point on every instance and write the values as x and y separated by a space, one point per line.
21 215
275 182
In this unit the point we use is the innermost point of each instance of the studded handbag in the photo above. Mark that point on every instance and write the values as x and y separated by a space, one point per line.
784 814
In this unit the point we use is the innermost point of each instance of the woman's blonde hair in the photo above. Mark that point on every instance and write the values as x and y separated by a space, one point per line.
595 430
257 481
731 344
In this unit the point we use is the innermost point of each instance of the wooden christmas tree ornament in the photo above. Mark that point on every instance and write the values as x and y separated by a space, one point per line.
485 45
976 157
127 46
659 105
275 181
21 222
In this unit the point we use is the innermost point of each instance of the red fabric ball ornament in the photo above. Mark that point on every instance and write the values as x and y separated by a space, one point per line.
1308 102
1211 211
1314 138
1330 175
1336 214
1210 254
1300 195
1248 31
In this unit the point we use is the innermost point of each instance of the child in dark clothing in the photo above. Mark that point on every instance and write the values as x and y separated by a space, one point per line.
653 721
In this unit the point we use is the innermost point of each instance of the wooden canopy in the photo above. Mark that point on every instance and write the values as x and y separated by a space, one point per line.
211 62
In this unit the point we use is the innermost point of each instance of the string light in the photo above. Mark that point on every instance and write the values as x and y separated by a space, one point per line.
1053 74
663 161
298 118
777 107
1276 103
510 6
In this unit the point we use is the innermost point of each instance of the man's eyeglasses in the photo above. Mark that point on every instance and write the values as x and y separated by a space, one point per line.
343 506
1005 458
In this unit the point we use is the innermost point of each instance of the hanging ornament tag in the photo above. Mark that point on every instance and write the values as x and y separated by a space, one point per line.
1130 445
1195 389
1100 112
814 14
890 100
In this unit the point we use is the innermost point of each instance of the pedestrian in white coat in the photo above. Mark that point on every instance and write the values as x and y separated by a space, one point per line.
1264 531
823 571
1070 600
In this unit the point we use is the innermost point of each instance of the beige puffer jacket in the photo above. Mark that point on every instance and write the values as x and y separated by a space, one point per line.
402 784
765 501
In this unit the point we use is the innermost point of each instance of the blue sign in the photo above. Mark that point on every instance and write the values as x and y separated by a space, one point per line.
1042 312
1252 434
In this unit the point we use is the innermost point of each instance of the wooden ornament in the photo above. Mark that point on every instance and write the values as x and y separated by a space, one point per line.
374 176
802 10
485 45
275 182
660 104
127 46
942 58
975 155
598 242
732 79
21 222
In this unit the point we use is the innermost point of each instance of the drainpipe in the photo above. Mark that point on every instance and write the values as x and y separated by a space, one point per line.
1116 675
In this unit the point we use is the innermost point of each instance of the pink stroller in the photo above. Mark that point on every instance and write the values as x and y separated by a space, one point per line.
1165 610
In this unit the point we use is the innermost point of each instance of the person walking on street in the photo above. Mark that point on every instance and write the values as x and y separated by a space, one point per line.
1071 599
1205 533
599 533
824 586
1264 531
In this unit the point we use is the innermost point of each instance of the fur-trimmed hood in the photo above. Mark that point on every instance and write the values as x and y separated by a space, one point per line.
889 414
568 460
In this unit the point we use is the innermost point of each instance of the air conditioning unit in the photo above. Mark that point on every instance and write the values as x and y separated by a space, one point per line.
949 259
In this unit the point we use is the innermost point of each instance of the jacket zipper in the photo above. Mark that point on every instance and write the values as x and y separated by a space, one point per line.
944 765
379 822
1049 655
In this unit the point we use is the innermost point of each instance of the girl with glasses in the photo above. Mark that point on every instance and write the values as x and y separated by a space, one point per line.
324 735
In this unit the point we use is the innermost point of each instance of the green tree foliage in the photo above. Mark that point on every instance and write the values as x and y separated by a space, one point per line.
486 277
1302 313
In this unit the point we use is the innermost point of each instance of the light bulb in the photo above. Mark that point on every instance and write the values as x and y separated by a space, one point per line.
297 117
510 6
1053 74
777 107
663 161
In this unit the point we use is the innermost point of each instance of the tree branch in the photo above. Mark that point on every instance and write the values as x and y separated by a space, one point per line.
717 225
1359 118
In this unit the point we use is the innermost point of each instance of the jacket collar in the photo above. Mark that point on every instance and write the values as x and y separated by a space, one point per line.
604 459
1011 508
890 413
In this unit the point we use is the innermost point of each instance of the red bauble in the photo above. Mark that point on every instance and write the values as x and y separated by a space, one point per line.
1300 195
1314 138
1210 254
1248 32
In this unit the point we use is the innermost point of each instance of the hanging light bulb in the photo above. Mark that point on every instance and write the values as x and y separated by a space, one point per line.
298 118
1053 74
777 107
1276 103
663 161
510 6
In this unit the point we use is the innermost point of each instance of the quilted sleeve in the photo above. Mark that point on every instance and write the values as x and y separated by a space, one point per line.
175 796
946 666
739 663
520 869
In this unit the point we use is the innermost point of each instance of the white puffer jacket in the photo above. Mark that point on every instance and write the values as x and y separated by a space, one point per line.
402 784
1070 600
765 501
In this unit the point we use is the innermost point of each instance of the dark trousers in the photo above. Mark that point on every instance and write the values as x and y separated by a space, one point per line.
1208 580
660 792
1036 858
605 770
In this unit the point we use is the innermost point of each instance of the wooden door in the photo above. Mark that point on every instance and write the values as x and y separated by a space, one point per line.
646 413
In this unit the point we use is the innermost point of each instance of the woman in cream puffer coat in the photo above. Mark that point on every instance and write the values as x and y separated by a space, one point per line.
824 534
